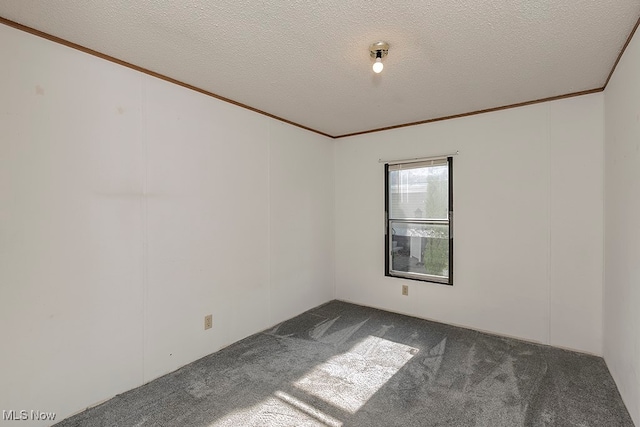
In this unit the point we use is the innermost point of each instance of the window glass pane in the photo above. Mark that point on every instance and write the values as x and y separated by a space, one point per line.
421 193
420 248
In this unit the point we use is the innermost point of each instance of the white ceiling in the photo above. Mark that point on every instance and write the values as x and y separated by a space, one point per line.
308 61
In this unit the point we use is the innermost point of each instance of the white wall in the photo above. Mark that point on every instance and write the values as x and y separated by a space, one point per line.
129 209
528 223
622 228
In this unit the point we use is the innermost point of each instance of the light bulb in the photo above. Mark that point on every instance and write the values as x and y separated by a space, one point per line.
378 66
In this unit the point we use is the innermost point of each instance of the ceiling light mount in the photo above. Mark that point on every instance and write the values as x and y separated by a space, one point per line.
378 51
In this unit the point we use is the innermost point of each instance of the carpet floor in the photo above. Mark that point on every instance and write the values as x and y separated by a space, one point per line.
346 365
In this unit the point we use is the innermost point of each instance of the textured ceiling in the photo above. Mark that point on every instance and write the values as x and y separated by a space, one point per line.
308 62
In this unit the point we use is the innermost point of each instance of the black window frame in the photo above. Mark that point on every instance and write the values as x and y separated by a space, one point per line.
387 238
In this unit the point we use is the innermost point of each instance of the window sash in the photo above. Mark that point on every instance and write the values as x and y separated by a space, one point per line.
407 191
389 271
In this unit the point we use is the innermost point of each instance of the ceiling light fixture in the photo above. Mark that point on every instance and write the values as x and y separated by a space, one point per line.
378 51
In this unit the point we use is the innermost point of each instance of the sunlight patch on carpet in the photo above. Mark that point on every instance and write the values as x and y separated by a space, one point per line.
348 380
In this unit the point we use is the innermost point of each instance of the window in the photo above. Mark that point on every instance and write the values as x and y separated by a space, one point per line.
419 214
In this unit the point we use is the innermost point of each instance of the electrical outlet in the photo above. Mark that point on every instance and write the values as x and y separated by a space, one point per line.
405 290
208 321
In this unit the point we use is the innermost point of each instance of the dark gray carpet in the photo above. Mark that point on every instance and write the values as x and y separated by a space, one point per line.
345 365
